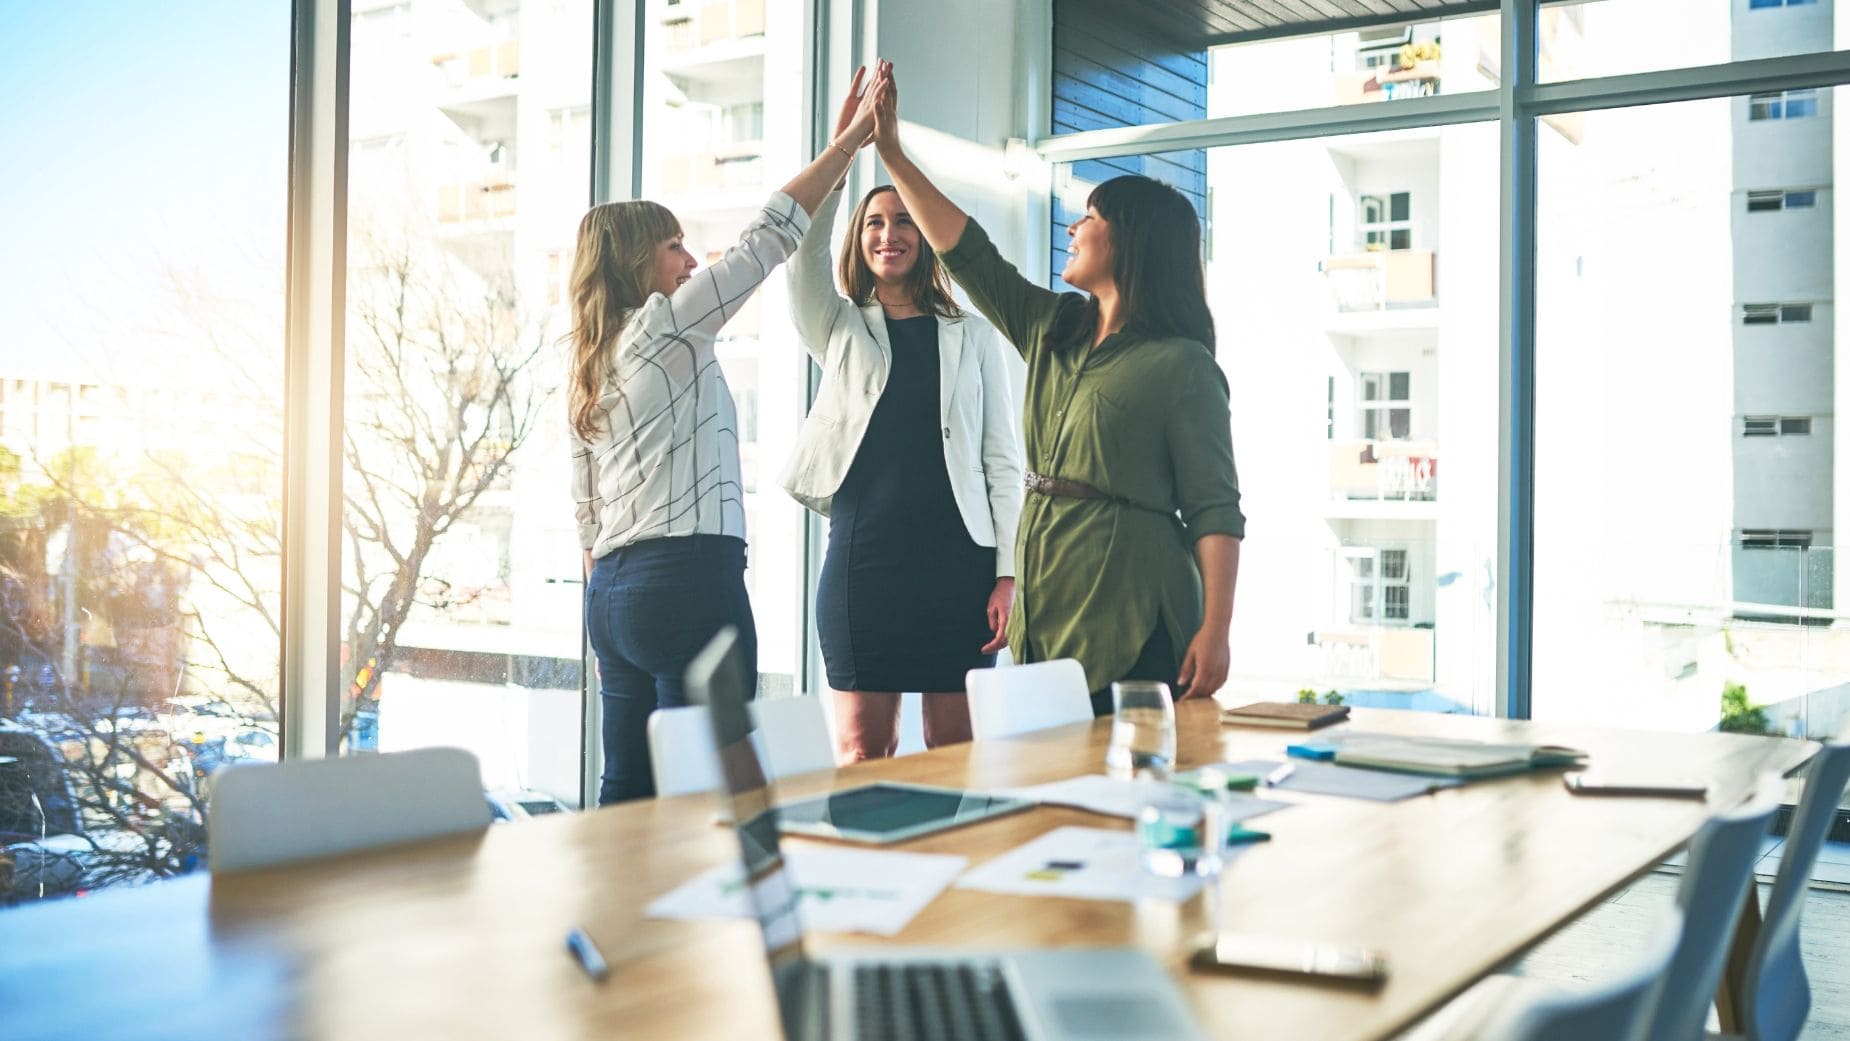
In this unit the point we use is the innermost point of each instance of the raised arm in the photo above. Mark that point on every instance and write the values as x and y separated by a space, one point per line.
716 292
826 171
815 306
937 217
1017 307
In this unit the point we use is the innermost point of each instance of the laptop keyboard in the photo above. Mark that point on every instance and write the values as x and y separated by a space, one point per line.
928 1001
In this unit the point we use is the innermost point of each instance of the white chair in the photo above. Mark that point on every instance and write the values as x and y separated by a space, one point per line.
1021 698
1614 1010
1717 877
794 736
272 813
789 734
1777 995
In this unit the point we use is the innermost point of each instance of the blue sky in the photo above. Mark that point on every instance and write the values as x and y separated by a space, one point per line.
134 130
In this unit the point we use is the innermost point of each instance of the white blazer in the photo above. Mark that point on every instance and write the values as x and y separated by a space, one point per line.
982 449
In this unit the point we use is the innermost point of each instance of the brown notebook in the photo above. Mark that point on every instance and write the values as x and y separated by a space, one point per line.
1298 716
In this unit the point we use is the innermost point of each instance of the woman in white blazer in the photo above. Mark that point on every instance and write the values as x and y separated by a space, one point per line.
911 451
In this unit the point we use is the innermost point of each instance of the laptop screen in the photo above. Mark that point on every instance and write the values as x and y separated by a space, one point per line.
718 678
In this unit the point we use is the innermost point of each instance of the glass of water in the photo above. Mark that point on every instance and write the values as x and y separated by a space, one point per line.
1171 829
1143 731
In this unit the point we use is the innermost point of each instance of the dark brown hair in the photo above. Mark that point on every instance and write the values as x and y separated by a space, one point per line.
927 285
1155 263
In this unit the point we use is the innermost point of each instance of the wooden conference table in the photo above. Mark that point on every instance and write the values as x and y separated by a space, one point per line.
463 938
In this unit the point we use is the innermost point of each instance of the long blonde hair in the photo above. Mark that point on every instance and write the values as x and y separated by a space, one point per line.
612 275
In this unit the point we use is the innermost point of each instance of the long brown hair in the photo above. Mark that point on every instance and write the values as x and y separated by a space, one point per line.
1155 263
612 274
927 285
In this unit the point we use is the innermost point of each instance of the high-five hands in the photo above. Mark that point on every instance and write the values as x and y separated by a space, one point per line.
855 124
886 110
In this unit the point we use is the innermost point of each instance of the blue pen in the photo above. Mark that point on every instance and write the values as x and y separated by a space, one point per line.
589 957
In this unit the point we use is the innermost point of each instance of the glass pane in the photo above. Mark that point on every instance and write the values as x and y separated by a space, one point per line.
1124 64
1408 60
707 59
141 411
470 134
1611 37
1310 336
1702 593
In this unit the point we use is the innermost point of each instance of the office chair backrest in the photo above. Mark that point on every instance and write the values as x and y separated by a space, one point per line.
790 735
1778 996
272 813
1717 877
1615 1010
1020 698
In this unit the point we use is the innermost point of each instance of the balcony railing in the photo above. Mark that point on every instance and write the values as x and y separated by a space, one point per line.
693 24
486 64
1419 80
1405 471
736 167
471 202
1377 652
1378 280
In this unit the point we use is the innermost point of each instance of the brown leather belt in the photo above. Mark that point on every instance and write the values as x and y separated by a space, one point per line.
1041 484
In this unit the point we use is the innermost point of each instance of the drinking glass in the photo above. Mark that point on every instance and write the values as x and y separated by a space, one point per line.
1171 829
1143 731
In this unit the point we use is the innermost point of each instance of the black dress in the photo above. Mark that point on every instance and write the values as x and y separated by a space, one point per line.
902 602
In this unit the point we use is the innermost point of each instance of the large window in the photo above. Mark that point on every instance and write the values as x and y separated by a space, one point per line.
723 99
1355 364
470 152
141 404
1684 547
1610 37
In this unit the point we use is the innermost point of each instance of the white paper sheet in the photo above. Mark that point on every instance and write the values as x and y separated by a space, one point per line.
841 890
1085 863
1096 793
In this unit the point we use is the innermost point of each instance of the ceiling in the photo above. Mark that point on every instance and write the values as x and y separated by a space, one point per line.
1206 23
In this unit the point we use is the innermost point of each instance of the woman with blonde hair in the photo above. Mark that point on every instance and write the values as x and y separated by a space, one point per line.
910 451
655 446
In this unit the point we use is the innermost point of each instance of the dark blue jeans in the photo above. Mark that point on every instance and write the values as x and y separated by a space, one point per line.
649 608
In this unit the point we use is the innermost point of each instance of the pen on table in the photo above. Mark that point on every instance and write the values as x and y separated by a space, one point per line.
1277 777
589 957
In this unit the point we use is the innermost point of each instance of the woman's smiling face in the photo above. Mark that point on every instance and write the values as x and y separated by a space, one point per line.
890 242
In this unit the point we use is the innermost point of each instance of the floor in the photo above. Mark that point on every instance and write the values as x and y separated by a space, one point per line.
1602 939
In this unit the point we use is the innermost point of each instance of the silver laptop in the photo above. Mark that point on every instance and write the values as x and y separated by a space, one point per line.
1086 994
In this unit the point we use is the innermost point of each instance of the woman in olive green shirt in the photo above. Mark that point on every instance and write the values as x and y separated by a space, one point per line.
1129 540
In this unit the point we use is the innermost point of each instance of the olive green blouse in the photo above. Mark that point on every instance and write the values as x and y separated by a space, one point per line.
1141 419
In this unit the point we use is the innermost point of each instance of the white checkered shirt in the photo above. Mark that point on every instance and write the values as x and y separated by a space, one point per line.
665 461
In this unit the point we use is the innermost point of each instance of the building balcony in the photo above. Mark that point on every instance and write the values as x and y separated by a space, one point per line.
736 167
1381 280
483 204
1384 471
1419 80
694 25
1376 653
489 68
